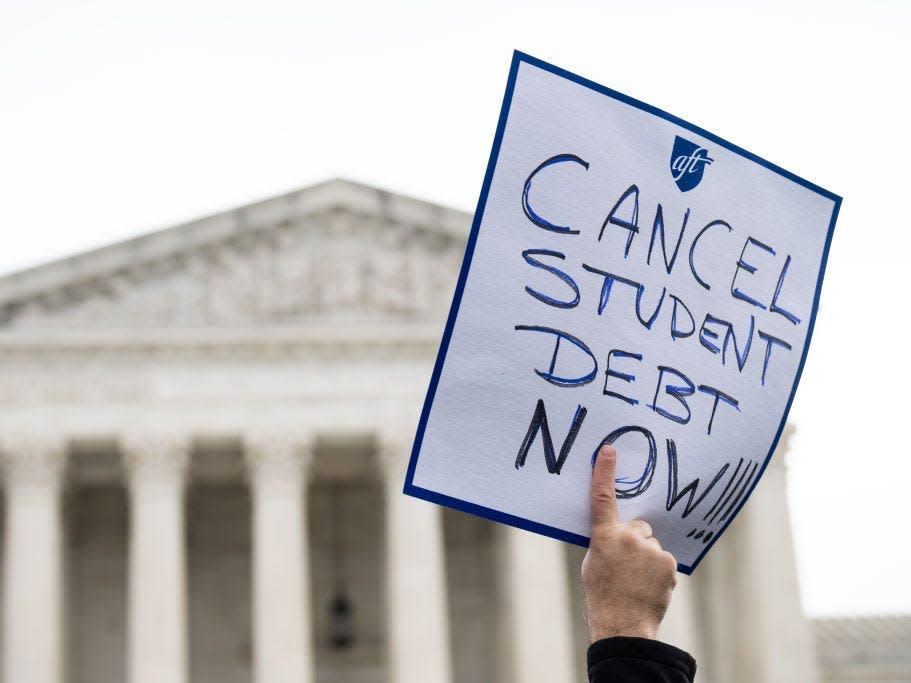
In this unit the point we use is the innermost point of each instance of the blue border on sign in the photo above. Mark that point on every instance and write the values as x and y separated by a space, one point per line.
520 522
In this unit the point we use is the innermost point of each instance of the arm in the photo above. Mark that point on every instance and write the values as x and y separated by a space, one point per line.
628 580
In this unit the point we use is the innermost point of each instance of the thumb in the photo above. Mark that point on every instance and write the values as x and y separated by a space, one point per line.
603 495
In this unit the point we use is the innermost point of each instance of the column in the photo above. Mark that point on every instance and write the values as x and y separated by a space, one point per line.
282 614
536 636
416 601
680 627
758 631
720 619
768 587
157 604
33 582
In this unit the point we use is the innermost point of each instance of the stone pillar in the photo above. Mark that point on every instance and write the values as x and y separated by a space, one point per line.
416 599
756 630
536 633
720 622
782 649
157 604
680 627
33 582
282 614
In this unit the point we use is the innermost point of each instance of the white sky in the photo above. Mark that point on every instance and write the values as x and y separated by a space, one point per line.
120 117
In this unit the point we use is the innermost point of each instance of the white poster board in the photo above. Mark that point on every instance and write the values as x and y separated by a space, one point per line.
629 279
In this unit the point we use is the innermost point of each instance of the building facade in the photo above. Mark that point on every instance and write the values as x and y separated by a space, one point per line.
204 432
864 650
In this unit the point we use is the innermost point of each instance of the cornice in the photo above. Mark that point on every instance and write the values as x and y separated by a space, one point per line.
417 339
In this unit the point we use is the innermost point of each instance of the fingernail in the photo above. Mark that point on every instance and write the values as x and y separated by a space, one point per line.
608 451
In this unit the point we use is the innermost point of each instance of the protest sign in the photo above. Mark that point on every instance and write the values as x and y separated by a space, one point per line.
629 279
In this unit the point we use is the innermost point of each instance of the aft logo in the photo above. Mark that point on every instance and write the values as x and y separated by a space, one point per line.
688 162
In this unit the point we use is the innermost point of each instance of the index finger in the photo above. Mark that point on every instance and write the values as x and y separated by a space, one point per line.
603 494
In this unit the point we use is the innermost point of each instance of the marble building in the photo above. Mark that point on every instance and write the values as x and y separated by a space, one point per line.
203 433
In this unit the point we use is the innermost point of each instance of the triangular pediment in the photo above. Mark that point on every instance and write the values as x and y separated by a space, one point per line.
331 252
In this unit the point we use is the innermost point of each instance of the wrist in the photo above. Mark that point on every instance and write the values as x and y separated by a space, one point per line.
631 629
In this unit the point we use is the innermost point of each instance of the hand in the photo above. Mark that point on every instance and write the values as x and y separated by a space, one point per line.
627 578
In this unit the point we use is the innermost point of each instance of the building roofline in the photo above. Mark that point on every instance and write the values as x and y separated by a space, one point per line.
333 194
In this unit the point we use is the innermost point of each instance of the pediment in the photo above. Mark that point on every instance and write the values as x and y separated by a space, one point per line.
333 252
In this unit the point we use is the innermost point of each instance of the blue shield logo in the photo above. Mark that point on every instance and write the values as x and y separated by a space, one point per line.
688 162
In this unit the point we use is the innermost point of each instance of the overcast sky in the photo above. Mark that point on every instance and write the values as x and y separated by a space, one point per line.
121 117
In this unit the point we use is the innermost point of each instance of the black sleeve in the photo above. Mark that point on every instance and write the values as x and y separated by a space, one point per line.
638 660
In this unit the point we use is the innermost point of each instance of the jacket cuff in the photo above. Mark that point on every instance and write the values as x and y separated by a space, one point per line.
654 651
